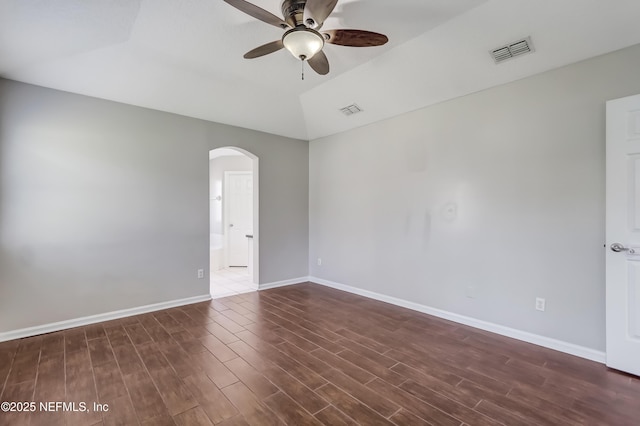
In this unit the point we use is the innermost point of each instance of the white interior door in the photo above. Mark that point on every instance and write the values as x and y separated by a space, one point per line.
239 221
623 234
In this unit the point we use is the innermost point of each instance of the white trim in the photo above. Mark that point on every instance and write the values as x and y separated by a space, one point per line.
284 283
255 169
255 270
536 339
525 336
92 319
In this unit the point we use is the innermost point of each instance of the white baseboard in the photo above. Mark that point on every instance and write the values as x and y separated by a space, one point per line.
92 319
284 283
536 339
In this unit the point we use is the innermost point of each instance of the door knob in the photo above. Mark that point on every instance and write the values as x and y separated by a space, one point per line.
231 226
617 247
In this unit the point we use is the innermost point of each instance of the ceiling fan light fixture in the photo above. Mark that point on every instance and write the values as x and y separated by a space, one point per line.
303 42
304 18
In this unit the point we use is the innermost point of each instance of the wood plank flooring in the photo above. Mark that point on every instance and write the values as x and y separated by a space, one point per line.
304 355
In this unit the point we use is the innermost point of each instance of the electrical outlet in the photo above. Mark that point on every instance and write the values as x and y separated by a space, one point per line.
200 274
540 304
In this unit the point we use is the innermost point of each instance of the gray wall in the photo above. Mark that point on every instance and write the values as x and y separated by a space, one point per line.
501 191
104 206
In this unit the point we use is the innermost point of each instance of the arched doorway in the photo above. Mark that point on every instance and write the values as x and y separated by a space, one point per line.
233 221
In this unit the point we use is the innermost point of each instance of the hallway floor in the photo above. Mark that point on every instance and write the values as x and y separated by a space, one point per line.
231 281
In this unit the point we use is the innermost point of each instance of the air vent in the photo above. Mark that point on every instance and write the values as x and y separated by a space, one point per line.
512 50
351 109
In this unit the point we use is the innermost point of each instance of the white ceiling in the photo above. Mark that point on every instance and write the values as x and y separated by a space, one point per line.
185 56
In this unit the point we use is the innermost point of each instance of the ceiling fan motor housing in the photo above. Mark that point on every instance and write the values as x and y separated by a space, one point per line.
293 10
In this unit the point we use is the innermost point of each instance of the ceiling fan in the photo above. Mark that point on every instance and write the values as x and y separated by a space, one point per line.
304 38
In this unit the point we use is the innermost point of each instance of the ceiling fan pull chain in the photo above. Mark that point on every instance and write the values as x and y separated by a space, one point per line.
302 69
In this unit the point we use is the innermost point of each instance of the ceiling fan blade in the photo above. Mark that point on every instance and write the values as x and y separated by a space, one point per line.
319 63
355 38
317 11
265 49
257 12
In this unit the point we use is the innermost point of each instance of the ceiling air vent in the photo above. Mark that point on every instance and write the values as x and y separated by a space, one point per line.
351 109
517 48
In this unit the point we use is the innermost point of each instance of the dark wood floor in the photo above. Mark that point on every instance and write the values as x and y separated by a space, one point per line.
301 355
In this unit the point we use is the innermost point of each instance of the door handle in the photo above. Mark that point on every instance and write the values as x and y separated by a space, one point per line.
617 247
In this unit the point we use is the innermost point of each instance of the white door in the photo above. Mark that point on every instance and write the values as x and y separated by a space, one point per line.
239 220
623 234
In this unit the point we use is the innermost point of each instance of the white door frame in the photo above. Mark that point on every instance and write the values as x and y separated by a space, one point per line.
256 210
